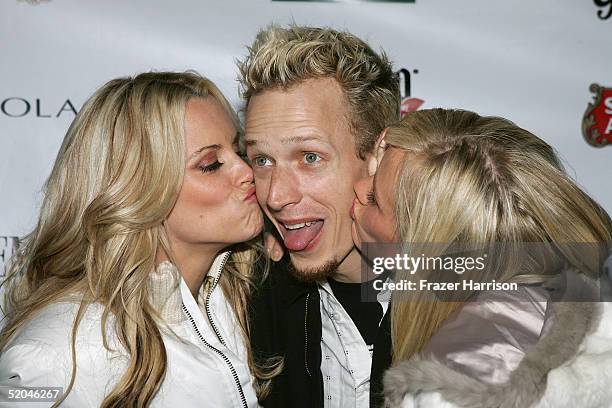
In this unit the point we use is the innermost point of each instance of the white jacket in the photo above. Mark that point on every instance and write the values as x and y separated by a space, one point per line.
206 356
569 366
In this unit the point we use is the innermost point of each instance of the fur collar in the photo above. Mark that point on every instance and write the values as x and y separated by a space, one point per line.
526 385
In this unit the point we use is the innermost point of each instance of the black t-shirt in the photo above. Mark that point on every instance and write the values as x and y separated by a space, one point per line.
365 315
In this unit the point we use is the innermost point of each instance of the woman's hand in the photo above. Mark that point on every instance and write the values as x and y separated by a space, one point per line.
274 249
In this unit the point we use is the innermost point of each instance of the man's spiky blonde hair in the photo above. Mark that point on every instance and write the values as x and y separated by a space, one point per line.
284 57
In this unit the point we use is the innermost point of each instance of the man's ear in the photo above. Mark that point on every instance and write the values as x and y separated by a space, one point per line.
377 153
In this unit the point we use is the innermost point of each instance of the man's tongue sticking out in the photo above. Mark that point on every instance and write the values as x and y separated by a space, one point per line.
297 239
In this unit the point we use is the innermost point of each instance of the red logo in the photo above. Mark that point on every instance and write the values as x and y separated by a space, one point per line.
597 120
408 104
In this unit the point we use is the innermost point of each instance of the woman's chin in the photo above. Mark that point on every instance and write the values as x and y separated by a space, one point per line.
240 231
254 228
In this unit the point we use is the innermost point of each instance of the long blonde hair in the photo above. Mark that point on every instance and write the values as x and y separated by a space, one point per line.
116 178
472 179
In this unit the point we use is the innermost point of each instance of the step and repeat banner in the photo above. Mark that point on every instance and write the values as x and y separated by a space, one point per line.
546 65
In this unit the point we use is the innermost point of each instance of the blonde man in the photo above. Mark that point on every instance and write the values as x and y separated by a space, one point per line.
316 101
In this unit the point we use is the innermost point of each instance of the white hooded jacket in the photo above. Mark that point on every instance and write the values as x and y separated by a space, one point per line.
206 355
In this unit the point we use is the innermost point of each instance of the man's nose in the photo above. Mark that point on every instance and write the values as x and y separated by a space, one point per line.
284 189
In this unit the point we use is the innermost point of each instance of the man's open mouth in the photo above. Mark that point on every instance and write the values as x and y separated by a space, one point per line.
300 234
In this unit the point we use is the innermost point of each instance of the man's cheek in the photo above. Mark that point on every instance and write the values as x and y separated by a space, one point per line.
261 198
261 191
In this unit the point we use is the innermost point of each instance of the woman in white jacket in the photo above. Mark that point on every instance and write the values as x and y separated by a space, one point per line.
453 178
126 293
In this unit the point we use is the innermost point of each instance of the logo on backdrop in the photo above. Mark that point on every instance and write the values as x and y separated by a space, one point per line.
605 8
8 245
17 107
34 2
597 120
409 104
351 1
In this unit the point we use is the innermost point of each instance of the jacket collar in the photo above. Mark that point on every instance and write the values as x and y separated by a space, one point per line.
217 266
297 290
169 291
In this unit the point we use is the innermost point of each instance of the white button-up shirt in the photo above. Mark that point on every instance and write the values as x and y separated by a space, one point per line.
345 358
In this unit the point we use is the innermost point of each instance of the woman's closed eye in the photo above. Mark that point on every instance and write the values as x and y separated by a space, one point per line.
371 198
207 168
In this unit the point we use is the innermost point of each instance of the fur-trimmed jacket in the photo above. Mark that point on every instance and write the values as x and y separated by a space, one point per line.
506 354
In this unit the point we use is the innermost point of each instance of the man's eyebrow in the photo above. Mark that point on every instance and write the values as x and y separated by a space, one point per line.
298 139
285 140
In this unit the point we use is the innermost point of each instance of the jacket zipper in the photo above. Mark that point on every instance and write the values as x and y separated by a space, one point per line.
207 299
214 349
306 336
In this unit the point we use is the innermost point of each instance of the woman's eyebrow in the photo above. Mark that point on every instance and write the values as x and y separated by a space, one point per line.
201 149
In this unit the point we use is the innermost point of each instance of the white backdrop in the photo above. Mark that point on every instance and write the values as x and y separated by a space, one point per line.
529 61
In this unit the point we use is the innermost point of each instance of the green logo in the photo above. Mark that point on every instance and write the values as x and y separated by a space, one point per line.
350 1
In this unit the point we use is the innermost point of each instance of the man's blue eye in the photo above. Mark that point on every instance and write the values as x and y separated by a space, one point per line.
260 161
311 158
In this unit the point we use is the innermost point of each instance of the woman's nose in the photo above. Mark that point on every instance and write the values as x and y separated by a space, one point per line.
244 173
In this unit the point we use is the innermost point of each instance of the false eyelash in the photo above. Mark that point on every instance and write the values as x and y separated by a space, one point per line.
210 167
371 198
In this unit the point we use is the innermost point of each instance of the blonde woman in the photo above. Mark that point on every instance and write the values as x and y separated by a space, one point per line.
450 176
126 293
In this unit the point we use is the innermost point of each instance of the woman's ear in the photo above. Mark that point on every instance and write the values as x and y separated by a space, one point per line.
377 153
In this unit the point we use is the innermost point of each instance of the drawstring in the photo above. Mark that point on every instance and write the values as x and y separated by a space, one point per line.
306 336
